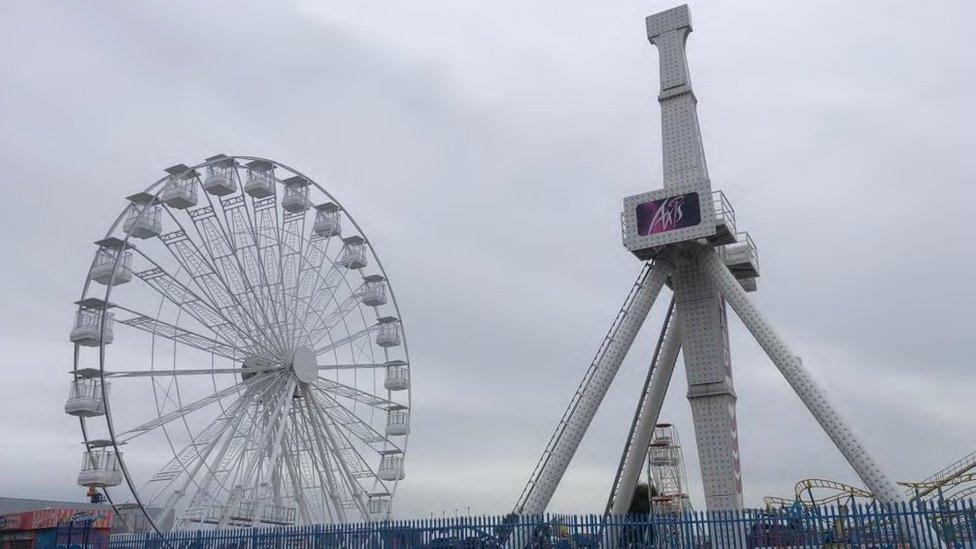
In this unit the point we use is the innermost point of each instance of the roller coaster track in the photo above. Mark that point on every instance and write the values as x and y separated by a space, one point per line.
960 472
928 489
947 475
839 492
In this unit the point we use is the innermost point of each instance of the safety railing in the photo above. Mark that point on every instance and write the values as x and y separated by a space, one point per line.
875 525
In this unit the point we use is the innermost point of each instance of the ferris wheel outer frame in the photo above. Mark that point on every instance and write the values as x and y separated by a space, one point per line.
159 186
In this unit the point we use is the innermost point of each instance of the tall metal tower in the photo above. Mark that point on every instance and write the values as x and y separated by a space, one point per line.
686 234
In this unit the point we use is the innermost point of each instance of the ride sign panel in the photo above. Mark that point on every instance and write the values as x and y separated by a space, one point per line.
651 220
668 214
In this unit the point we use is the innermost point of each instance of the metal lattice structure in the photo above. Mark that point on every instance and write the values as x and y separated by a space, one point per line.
956 481
666 471
259 370
815 492
689 239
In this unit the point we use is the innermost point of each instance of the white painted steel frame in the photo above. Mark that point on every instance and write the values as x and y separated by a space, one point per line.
811 394
647 416
240 289
703 284
594 387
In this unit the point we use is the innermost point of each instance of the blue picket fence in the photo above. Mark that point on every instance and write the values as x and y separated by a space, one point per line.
928 524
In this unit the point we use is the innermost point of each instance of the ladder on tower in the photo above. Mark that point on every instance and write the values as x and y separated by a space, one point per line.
615 491
575 401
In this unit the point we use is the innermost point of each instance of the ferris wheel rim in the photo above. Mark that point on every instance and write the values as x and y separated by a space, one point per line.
158 186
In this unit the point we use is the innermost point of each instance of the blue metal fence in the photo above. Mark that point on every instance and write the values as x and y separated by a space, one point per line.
905 525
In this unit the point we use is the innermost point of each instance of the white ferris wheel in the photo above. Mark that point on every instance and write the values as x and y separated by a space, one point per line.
238 355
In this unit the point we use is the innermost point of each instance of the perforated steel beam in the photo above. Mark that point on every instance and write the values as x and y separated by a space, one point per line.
569 436
684 157
701 309
708 368
810 393
636 451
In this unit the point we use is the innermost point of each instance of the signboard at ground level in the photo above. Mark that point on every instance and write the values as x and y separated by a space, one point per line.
40 519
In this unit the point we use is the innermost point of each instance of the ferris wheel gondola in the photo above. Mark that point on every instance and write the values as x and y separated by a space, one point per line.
257 361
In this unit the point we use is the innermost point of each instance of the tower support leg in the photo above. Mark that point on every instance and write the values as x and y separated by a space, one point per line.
570 432
708 367
810 393
636 451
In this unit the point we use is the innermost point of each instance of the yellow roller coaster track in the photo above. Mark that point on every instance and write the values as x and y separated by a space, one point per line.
955 481
803 494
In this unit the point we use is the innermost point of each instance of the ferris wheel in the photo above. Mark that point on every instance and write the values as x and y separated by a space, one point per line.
238 356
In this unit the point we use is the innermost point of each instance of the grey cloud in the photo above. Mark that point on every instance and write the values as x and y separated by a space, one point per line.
485 151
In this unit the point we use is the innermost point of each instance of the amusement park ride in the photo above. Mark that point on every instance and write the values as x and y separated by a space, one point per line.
666 472
256 344
259 373
687 235
956 481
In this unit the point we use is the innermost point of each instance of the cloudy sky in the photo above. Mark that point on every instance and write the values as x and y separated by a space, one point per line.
485 147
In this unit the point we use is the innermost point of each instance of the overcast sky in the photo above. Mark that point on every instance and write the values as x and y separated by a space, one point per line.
485 147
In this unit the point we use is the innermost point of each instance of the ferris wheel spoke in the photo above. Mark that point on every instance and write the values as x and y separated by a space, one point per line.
253 244
302 305
323 293
192 372
291 242
350 454
150 325
229 266
268 237
353 424
354 366
192 455
238 417
334 279
309 277
208 279
291 246
332 388
325 325
191 407
244 239
202 310
348 339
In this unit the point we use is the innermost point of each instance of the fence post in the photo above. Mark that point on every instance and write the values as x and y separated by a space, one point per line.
919 524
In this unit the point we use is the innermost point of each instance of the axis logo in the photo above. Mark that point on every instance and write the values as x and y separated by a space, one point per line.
668 214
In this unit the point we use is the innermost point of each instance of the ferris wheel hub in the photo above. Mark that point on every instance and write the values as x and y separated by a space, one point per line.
304 365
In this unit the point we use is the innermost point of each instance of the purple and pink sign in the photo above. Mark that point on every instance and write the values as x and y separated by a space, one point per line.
668 214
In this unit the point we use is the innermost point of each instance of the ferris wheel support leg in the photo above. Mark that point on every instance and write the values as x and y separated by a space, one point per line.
333 488
295 479
662 368
331 439
235 418
809 391
569 435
